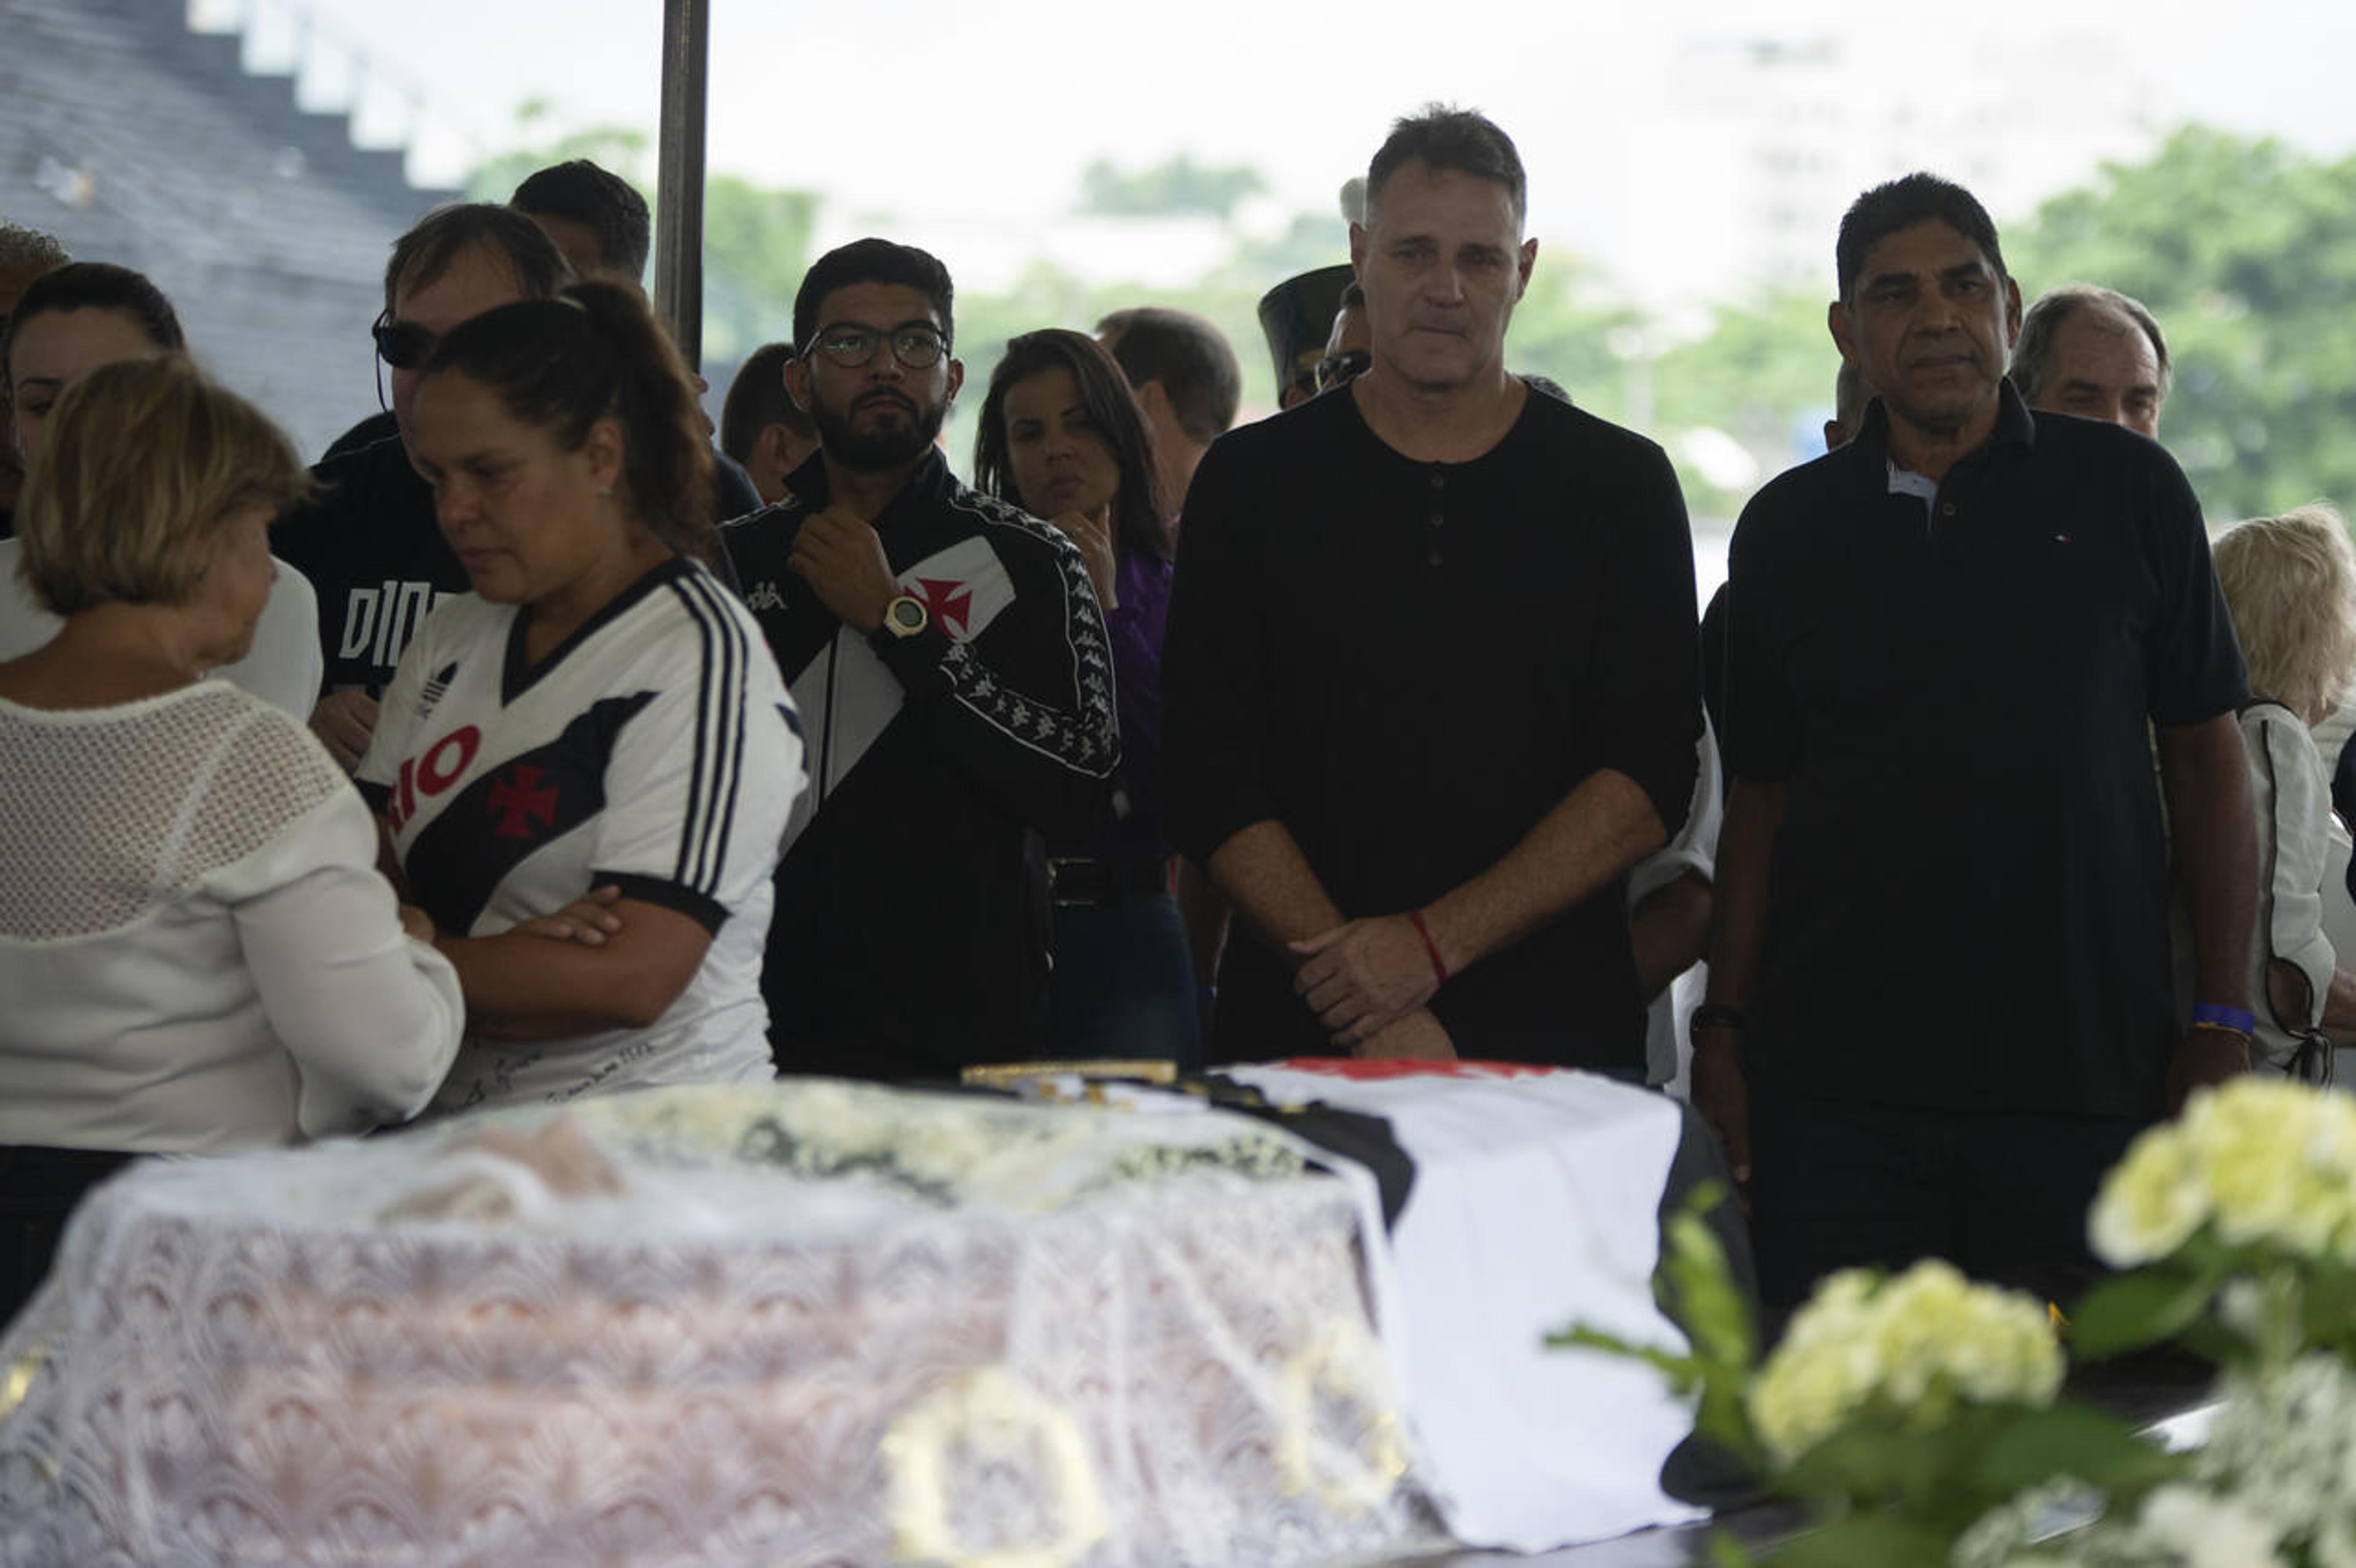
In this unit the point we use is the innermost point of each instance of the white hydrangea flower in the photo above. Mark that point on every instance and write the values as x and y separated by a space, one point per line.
2262 1160
2202 1530
2151 1204
1915 1345
2285 1448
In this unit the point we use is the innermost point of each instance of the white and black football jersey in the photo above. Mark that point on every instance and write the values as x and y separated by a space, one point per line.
655 749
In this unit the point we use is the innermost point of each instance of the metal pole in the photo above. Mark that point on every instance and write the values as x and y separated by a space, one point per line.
679 175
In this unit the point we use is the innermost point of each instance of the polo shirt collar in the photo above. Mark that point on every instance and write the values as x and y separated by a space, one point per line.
2016 426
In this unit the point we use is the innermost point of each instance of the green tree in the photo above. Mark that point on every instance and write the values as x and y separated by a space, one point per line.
2245 250
1174 186
756 245
1571 328
756 240
624 149
1763 375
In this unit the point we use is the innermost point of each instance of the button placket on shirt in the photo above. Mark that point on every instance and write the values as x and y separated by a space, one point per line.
1436 518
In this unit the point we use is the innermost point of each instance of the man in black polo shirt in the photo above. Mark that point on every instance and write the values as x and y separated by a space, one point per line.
1429 689
1940 982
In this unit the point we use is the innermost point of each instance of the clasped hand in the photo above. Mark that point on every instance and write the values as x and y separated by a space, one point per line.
1364 975
842 559
588 920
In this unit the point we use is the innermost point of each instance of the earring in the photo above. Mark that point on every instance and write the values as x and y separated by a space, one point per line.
605 491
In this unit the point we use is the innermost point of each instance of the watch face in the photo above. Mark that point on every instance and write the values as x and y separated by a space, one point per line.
907 615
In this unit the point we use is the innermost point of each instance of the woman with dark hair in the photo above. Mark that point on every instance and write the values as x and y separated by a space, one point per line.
595 745
73 319
1060 436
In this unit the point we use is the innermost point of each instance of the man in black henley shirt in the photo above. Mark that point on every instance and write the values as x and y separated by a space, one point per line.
1430 686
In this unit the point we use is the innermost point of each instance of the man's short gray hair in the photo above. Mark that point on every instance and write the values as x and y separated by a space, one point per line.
23 247
2032 357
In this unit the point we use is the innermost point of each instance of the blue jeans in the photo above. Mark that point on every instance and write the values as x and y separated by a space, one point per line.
1122 985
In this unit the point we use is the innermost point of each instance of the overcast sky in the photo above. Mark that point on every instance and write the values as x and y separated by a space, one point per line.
950 110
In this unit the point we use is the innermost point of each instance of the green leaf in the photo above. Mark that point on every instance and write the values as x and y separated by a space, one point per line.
1873 1540
1726 1551
1703 1297
2070 1440
2130 1311
1682 1372
1871 1458
2327 1304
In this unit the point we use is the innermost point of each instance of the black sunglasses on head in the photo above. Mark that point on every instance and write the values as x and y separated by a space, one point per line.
402 344
1340 369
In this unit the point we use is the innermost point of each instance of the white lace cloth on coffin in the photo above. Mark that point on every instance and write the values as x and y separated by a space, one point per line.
730 1364
1535 1205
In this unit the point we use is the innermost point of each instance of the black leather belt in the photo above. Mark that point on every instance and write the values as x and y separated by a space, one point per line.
1081 880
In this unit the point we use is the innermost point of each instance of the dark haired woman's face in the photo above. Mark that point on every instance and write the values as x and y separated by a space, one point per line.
55 349
522 514
1060 461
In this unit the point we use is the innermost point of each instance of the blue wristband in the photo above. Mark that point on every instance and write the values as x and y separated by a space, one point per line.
2220 1017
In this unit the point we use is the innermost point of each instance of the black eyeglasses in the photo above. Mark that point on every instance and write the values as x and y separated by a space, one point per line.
914 344
402 344
1341 369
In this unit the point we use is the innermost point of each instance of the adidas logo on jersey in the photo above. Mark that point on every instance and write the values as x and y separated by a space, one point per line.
435 688
763 596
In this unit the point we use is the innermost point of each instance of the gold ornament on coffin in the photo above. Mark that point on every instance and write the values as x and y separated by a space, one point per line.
997 1416
1346 1366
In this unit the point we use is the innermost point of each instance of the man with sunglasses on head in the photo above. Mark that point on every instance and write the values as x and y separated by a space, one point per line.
368 539
1349 348
954 683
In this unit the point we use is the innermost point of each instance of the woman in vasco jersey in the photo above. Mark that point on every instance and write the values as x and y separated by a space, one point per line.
599 720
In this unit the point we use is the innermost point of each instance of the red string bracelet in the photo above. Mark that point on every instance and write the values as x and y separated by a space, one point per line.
1430 948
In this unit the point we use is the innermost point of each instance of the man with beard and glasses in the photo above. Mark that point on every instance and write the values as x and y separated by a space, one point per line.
954 684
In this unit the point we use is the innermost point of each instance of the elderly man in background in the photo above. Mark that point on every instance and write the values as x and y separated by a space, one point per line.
2095 353
1187 383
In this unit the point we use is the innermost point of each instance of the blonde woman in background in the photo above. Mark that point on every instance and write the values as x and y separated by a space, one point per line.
197 952
2290 583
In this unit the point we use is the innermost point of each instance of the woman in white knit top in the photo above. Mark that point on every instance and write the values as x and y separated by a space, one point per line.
2290 583
196 950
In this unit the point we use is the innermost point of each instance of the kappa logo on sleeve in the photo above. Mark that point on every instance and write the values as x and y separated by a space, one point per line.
963 588
763 596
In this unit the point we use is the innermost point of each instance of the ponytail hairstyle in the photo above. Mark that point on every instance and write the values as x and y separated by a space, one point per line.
595 352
